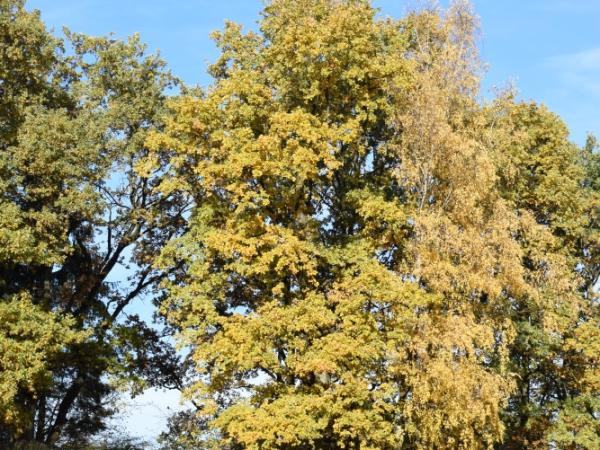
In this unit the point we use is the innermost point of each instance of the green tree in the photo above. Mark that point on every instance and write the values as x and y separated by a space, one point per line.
74 211
555 350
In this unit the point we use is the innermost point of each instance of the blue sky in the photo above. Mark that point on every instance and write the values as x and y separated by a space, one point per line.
550 49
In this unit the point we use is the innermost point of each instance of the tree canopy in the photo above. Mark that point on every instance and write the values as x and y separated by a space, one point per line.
353 248
377 259
73 212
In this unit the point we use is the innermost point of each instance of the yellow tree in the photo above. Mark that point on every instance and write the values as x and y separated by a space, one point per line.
353 262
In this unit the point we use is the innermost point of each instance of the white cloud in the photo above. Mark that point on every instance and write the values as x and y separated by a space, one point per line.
570 6
579 70
584 60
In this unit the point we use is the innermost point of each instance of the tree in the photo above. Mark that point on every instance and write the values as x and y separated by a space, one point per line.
74 212
377 260
357 251
554 353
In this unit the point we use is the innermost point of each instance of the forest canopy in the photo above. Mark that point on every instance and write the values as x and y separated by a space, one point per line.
350 245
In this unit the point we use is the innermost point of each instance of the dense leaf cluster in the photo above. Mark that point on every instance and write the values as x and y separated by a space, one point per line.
377 259
74 214
355 249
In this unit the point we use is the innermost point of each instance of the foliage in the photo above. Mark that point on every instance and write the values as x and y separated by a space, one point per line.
554 351
73 213
355 249
29 336
376 259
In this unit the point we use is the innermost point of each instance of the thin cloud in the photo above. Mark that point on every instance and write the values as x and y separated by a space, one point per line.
570 6
579 70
